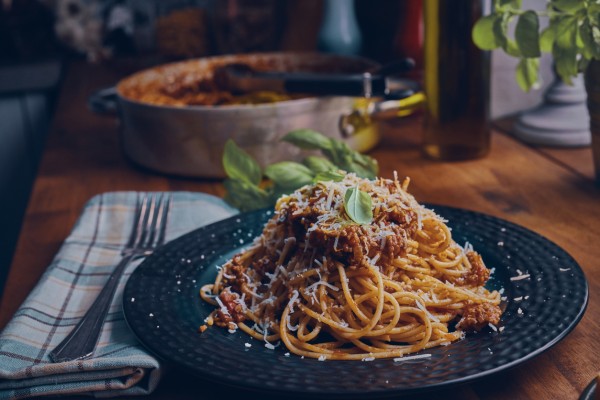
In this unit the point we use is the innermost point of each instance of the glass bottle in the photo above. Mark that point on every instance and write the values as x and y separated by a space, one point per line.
339 31
456 81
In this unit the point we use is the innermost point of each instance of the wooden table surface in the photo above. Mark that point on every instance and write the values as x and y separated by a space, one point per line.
550 191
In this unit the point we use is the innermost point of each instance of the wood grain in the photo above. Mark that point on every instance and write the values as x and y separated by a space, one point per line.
550 192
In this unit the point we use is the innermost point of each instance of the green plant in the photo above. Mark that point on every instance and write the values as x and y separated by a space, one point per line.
572 36
247 190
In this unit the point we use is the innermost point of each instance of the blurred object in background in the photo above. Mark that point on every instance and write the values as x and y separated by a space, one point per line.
303 19
182 30
562 119
29 74
119 28
80 27
26 31
183 33
378 25
243 26
144 15
410 35
457 80
339 31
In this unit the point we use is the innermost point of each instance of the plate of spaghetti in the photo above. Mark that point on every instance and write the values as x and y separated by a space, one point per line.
352 287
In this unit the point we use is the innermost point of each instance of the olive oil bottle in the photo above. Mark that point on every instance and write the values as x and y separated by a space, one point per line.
456 81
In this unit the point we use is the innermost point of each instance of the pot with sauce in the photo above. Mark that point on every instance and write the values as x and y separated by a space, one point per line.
175 119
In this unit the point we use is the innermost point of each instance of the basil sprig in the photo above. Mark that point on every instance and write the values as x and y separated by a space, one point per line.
247 191
358 206
572 36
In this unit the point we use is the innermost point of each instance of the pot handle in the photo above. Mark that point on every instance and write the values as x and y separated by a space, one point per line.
104 101
353 121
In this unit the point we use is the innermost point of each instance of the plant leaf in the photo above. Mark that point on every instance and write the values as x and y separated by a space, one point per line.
527 34
358 206
240 165
570 6
508 4
500 29
364 166
289 174
527 73
565 62
484 35
318 164
352 161
547 40
564 50
565 31
331 175
501 32
591 49
245 196
308 139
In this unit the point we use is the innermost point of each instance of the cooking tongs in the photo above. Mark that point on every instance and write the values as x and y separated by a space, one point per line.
240 78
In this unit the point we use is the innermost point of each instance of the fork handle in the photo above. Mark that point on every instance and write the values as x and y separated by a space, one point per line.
82 340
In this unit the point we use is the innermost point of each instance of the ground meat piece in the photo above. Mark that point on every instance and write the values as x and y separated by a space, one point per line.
479 274
263 264
395 245
405 218
353 242
235 310
235 269
476 316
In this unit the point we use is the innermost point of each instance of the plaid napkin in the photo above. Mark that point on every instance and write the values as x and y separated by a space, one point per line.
119 366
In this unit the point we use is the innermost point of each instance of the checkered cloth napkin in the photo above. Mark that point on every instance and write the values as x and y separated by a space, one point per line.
120 365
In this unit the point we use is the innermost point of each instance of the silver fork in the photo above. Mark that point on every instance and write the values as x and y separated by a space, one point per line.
148 232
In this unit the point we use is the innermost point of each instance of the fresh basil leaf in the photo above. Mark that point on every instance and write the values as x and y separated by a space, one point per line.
500 29
358 206
325 176
565 32
352 161
308 139
570 6
501 33
364 166
565 62
593 7
245 196
527 73
339 154
547 40
564 50
507 4
591 49
484 34
318 164
289 174
239 165
512 49
527 34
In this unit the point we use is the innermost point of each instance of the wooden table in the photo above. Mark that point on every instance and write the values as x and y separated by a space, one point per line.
550 191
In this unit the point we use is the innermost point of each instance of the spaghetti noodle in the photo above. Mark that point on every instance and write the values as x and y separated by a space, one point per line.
329 288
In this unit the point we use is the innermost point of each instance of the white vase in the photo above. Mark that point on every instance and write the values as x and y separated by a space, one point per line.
562 120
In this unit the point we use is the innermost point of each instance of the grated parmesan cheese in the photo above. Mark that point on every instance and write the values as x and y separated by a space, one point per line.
409 358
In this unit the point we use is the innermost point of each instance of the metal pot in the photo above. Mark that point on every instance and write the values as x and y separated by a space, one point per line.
189 140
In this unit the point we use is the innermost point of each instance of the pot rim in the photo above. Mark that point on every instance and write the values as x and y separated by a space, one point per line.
238 107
